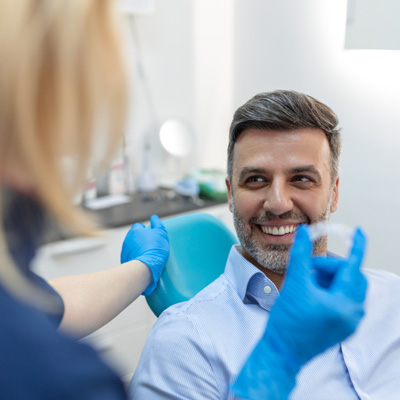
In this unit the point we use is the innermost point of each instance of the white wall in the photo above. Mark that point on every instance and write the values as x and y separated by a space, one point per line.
163 44
186 51
204 58
373 24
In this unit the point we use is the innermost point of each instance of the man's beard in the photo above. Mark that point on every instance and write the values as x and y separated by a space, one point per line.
273 257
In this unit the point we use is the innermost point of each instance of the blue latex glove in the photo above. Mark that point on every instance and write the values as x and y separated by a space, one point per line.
321 304
148 245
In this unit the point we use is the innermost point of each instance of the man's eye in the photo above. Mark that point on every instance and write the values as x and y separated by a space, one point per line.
302 178
255 182
252 179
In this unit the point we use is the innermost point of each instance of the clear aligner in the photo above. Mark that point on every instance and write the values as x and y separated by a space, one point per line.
341 230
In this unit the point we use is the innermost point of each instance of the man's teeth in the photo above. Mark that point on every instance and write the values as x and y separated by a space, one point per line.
282 230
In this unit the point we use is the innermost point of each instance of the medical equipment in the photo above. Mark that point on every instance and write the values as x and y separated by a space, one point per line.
199 246
341 230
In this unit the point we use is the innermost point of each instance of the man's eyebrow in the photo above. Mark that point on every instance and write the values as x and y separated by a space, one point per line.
305 168
251 170
297 170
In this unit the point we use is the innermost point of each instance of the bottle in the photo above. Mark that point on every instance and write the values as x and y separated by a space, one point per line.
90 192
116 176
147 181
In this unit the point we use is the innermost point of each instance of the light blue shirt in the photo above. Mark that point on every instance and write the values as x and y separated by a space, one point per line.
197 347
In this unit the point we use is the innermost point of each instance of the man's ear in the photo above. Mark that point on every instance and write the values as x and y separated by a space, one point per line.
335 196
229 190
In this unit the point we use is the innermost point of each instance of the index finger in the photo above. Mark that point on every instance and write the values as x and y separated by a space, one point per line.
358 249
137 226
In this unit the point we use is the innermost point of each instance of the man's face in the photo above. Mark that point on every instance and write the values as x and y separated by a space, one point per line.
280 179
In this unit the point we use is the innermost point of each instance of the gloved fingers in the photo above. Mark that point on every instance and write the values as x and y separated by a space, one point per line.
355 257
156 222
350 279
300 256
327 265
138 226
359 291
353 282
129 243
324 269
358 248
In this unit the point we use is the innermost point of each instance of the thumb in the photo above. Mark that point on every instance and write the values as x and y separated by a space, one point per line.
156 222
300 255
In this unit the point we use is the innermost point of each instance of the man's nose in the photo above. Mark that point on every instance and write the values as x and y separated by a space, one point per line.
278 199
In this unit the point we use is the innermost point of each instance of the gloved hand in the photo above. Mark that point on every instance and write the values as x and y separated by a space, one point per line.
148 245
321 304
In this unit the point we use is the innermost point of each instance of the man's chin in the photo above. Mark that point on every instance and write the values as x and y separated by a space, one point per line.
275 267
274 259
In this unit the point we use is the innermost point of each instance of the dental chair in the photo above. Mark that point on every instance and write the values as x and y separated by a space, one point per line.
199 247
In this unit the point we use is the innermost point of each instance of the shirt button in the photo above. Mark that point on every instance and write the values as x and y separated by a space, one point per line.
267 289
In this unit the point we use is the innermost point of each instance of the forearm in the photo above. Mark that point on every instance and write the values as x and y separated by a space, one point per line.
92 300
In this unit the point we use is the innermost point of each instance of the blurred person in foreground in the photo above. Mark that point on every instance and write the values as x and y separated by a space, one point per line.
62 107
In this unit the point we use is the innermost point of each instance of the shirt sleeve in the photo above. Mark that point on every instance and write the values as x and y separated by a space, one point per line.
176 363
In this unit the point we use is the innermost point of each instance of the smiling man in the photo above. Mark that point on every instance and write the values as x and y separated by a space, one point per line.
283 161
271 193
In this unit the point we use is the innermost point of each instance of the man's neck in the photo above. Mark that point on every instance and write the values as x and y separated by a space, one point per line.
276 278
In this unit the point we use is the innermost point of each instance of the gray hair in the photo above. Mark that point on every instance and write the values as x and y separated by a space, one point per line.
286 110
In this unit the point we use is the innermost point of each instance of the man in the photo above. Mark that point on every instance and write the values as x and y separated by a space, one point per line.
283 158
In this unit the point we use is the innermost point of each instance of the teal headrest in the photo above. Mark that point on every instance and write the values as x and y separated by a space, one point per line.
200 244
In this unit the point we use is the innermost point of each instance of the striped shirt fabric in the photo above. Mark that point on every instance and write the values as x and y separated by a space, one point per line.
196 348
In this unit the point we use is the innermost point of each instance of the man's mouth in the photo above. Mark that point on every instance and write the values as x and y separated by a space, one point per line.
279 230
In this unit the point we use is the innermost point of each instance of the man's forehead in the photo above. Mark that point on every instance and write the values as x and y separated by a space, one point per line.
295 148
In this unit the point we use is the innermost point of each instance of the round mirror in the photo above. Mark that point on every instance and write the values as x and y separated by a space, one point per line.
177 137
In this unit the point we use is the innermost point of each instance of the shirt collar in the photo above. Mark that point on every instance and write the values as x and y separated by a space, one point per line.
251 284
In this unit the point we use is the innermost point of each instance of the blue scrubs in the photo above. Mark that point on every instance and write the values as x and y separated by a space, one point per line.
36 360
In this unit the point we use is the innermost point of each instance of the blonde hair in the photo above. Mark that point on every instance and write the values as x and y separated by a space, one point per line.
62 78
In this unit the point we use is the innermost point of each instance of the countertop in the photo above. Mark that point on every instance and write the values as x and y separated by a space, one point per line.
139 209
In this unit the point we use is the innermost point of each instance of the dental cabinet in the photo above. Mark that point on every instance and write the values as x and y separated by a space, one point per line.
121 340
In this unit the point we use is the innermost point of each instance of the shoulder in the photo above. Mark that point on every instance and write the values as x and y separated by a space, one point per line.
382 275
383 297
190 320
215 308
212 296
184 356
197 346
176 361
373 351
382 282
